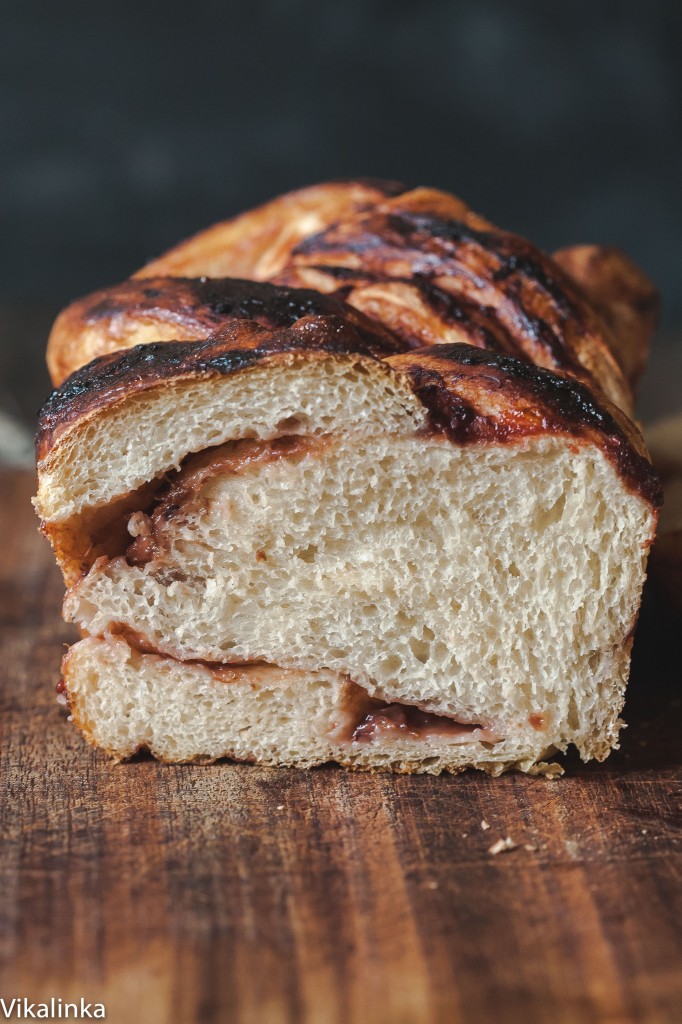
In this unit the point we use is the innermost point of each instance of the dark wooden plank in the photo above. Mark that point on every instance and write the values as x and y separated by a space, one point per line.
236 893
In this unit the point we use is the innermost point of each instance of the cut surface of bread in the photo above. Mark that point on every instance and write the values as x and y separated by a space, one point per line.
125 700
483 585
451 535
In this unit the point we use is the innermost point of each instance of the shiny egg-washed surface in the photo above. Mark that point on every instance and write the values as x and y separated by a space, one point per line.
416 262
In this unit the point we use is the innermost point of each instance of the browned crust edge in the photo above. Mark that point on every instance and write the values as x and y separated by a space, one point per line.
586 310
622 294
112 378
457 262
186 309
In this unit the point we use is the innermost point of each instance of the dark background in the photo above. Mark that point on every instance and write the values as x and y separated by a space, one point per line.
126 126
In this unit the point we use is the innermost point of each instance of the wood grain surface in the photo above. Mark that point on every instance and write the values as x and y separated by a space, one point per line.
233 893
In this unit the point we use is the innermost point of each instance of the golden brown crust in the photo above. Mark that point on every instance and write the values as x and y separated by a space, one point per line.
424 263
257 243
622 294
188 309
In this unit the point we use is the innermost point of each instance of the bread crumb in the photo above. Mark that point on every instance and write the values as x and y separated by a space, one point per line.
529 847
502 845
484 825
432 885
464 835
280 807
644 831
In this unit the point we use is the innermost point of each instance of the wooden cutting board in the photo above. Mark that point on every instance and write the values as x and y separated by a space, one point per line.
234 893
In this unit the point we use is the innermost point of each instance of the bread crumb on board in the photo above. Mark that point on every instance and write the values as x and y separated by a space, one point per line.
502 846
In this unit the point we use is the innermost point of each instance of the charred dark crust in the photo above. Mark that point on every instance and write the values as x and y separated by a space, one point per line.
459 385
473 319
206 304
541 310
192 309
107 380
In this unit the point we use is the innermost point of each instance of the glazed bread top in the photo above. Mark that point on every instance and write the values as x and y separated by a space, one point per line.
416 261
190 309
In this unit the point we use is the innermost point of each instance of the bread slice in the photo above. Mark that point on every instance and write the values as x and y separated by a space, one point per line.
283 548
124 700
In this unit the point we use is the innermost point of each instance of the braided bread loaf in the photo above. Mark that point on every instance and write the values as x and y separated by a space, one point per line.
361 486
